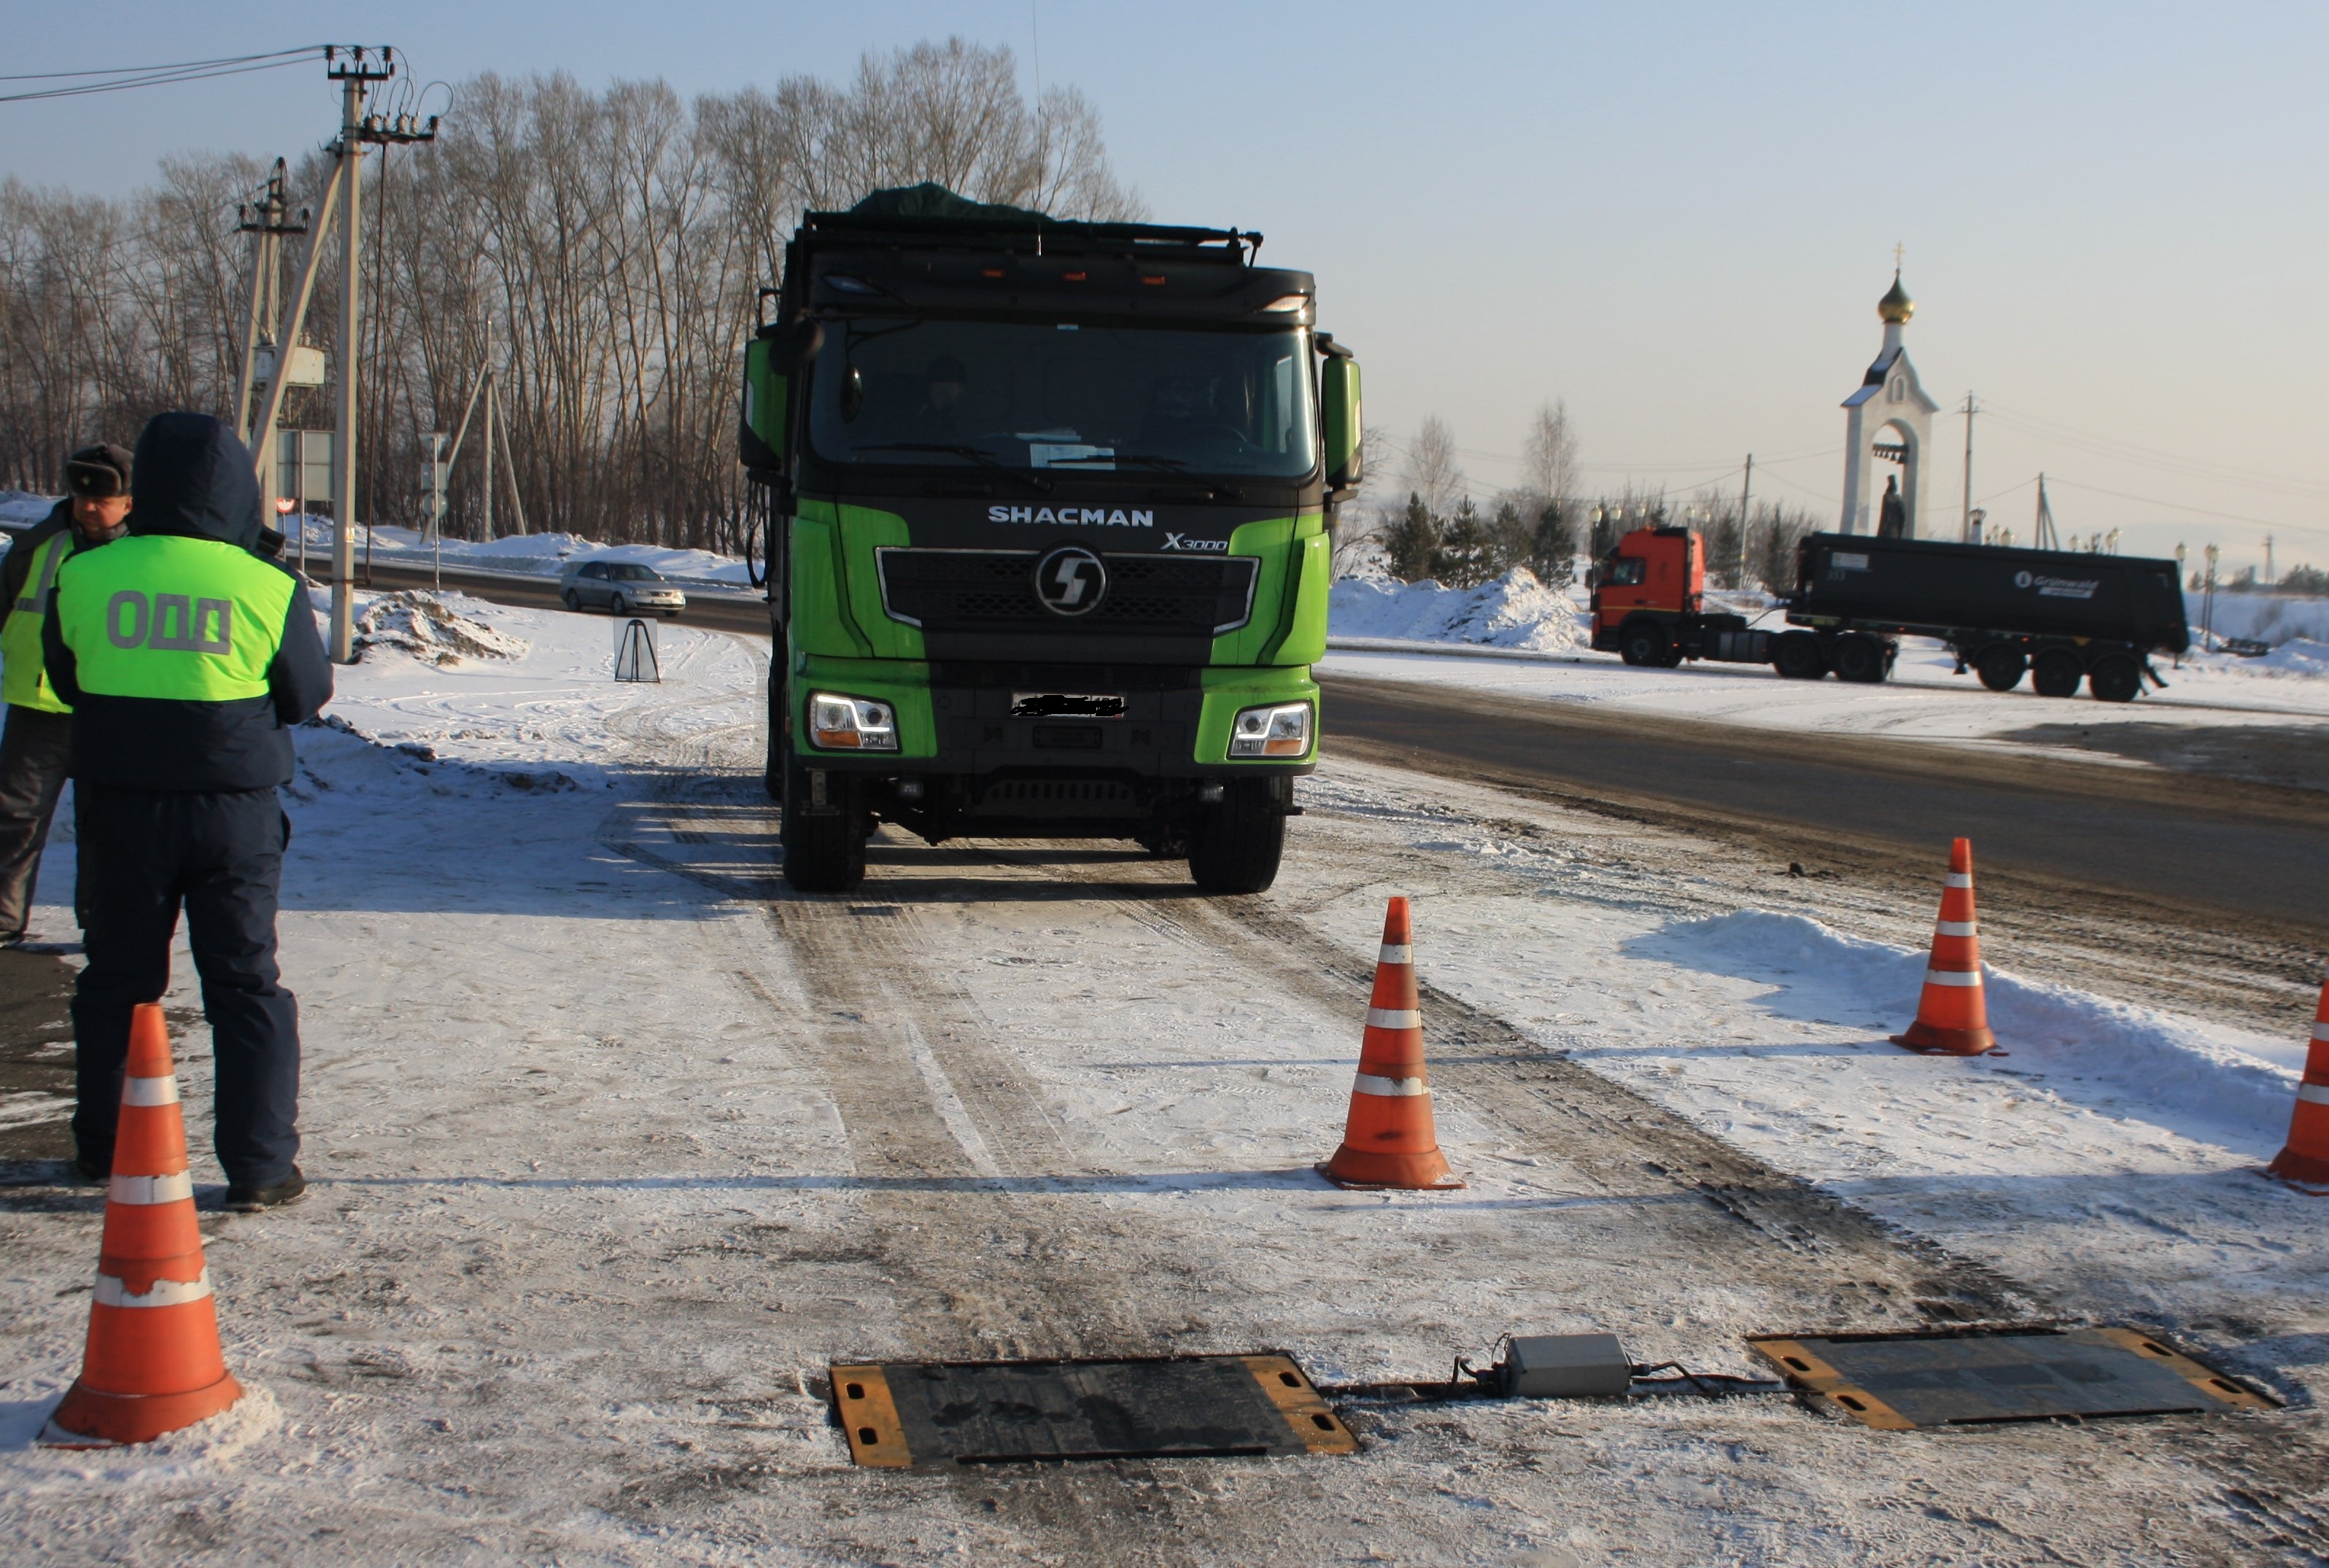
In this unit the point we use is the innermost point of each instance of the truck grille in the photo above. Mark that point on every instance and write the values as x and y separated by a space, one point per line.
976 591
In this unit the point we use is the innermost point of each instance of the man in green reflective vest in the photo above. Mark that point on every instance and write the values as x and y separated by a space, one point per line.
187 659
40 723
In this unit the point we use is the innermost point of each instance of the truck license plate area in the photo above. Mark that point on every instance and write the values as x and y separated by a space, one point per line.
1066 705
1066 737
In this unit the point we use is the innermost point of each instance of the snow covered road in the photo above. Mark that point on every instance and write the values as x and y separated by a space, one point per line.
617 1145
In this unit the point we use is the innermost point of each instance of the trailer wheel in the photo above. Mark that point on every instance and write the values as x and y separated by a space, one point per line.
2000 667
2056 673
1235 847
824 854
1798 656
1645 643
1859 659
2118 679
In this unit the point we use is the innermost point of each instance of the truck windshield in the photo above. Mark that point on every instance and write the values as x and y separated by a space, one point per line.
1056 396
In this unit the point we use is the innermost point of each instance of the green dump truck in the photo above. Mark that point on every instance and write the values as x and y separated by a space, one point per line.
1047 510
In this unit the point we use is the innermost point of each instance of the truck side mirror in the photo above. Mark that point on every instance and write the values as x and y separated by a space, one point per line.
768 393
1344 431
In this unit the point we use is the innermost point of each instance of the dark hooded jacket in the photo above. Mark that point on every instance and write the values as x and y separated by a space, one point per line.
192 478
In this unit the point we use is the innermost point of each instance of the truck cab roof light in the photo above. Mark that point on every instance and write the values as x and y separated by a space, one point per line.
1285 303
848 284
1075 277
1153 279
990 272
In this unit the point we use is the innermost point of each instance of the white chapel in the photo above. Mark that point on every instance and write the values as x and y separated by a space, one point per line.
1889 418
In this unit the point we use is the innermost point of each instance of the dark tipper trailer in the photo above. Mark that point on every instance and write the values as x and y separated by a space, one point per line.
2060 616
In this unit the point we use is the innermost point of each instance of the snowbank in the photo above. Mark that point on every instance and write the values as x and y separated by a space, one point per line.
543 553
2208 1082
432 628
2262 618
1515 611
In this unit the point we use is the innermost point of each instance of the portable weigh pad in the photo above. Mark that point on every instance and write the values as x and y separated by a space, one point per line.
983 1413
1904 1381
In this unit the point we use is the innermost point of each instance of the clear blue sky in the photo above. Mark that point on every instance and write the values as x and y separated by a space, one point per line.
1676 217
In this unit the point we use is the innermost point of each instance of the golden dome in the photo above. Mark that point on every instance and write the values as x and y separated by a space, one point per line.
1896 305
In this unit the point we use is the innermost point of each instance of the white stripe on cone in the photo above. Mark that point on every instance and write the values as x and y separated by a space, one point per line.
2320 1033
1954 928
1959 879
1396 954
1383 1018
149 1189
162 1091
112 1292
1390 1088
2313 1094
1953 977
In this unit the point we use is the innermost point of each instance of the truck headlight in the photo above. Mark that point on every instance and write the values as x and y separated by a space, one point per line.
1280 731
851 723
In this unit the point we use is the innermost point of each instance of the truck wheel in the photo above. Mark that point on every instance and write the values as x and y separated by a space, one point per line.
1859 660
2056 673
2118 679
1798 656
1235 847
824 854
2001 668
1643 643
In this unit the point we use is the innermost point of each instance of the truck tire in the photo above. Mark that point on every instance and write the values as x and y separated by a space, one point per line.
1235 847
2056 673
827 853
1859 659
1799 657
1645 643
2001 668
2116 678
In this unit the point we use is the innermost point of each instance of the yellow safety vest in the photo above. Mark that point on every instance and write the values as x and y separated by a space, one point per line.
24 670
193 620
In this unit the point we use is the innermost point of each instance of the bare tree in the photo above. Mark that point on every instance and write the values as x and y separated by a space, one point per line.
600 248
1433 470
1549 455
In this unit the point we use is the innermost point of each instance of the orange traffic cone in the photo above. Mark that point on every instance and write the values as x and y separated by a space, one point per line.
2304 1163
1953 1014
1390 1140
153 1363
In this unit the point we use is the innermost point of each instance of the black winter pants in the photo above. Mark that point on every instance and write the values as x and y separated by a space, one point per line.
31 775
143 853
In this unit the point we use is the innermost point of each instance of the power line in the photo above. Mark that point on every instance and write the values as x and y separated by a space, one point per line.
157 75
2201 510
2128 452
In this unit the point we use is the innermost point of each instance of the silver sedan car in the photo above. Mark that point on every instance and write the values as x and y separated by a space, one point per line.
626 587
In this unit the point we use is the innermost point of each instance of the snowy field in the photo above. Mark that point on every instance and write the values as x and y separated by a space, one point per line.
616 1145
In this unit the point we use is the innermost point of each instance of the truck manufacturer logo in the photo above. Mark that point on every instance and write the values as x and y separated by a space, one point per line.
1070 580
1183 541
1072 516
2057 587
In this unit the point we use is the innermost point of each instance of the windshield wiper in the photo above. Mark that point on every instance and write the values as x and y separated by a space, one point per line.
1151 459
983 458
975 453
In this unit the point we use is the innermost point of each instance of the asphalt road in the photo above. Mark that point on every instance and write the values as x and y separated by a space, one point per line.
721 612
2177 842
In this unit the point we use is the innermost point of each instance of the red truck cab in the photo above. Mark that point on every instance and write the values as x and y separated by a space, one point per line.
1654 572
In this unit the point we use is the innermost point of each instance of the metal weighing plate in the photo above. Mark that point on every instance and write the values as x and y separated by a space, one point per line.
978 1413
1898 1382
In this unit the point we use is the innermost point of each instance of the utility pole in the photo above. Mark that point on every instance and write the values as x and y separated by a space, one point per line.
1745 494
265 222
490 378
1964 532
2044 527
354 67
2268 577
